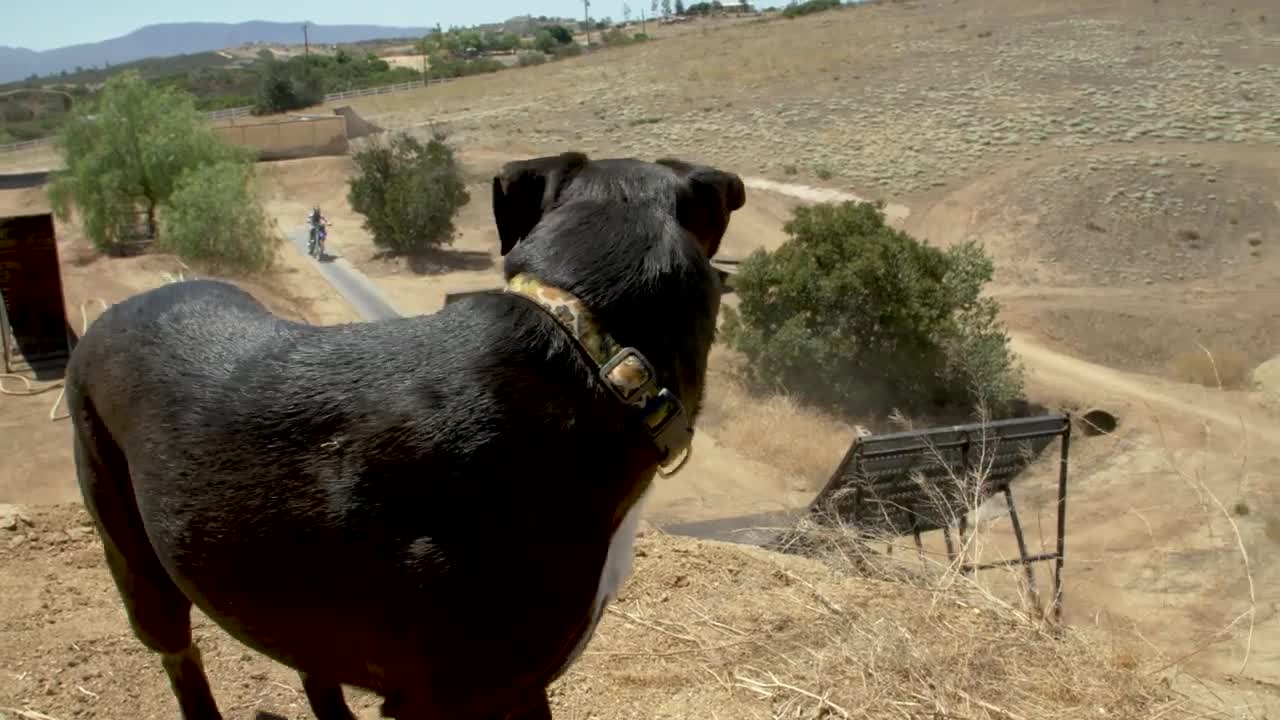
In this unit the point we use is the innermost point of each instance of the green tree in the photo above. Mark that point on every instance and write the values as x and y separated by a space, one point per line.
408 192
544 41
125 155
471 39
292 84
679 7
855 314
561 34
212 220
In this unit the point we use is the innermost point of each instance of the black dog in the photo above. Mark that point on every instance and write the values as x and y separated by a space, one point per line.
434 508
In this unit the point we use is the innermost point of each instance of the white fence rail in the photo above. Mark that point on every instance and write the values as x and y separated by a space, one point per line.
26 145
245 110
229 113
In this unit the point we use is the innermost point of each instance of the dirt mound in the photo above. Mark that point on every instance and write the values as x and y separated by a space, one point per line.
701 630
1135 217
1135 256
1267 376
357 127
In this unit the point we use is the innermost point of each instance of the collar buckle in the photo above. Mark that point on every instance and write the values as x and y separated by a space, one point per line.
630 377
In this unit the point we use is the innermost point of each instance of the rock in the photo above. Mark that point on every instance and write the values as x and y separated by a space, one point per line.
1254 238
11 516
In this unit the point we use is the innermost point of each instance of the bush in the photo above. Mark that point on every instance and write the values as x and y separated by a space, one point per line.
616 38
408 192
213 221
442 67
808 7
560 34
566 51
526 59
852 314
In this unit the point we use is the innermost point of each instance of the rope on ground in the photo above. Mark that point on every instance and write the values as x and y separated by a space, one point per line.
28 388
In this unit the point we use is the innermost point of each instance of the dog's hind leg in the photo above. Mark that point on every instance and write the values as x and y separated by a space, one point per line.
158 611
327 702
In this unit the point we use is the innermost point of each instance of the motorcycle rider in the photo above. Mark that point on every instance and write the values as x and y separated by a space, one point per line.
315 220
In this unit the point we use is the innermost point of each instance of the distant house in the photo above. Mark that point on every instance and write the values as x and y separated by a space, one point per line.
737 7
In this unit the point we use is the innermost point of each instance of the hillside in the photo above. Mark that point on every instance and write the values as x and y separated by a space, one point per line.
1118 159
169 39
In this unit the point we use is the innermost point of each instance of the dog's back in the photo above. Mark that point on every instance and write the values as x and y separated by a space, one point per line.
174 339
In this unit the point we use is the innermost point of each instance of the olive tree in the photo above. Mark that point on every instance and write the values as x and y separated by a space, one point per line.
124 155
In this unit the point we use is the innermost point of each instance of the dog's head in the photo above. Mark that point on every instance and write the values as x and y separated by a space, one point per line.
633 240
699 197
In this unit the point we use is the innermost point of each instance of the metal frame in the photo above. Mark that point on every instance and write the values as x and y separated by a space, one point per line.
894 482
6 339
37 362
453 297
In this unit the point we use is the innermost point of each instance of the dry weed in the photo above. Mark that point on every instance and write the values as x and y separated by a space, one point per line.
775 430
1222 369
802 639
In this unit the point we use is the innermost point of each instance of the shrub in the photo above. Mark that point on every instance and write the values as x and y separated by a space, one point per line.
442 67
213 220
535 57
808 7
573 49
855 315
616 38
408 192
560 34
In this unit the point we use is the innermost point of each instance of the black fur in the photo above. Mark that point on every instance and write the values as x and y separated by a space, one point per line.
418 506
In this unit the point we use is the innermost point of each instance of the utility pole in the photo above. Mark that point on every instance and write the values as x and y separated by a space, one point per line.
643 31
306 41
586 15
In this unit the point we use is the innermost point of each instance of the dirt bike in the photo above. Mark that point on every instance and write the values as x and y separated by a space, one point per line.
315 244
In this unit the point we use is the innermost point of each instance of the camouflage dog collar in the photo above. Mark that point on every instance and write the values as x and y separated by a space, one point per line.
627 373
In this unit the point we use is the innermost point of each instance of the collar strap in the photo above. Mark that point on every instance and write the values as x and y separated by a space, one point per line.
628 375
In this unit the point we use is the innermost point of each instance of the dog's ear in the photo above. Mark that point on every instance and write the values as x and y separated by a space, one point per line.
524 189
712 196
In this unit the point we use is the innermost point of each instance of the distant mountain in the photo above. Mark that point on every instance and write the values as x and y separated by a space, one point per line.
183 38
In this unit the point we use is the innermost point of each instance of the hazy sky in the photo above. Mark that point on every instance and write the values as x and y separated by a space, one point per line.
45 24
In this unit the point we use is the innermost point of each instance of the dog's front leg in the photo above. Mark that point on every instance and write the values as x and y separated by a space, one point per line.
327 702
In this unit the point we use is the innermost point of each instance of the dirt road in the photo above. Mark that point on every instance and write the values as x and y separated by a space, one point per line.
365 297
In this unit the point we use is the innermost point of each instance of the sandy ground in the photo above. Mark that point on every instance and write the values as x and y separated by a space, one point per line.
1110 156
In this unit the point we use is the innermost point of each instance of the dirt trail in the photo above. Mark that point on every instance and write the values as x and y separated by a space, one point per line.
1067 371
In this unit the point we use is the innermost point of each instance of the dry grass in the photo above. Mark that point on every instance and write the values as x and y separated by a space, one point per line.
807 639
1224 369
775 429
